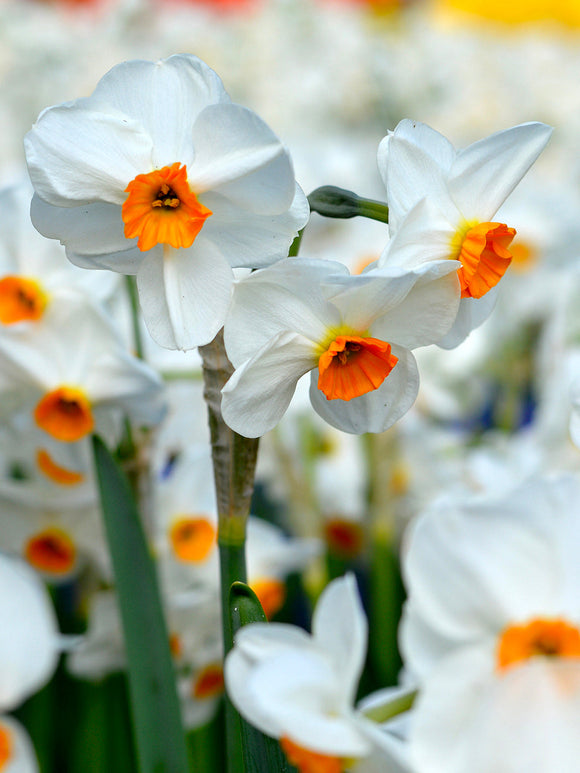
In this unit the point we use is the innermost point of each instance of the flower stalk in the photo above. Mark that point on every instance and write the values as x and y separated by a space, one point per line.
330 201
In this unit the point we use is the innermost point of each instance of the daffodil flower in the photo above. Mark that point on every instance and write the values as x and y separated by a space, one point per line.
353 333
300 688
491 631
442 203
160 175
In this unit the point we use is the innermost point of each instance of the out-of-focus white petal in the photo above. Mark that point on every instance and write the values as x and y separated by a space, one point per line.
77 155
28 633
185 295
375 411
471 313
485 173
22 755
258 393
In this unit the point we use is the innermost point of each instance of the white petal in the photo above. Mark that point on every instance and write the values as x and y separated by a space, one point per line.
76 155
263 640
239 156
287 296
164 98
250 239
375 411
472 312
340 629
28 638
427 312
257 395
22 755
185 294
485 173
414 162
88 229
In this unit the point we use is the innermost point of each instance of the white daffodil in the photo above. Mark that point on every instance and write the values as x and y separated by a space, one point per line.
34 271
16 749
441 202
354 333
300 688
159 174
491 631
29 638
74 374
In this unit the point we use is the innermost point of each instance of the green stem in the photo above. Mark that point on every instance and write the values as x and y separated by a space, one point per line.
131 285
295 246
234 462
392 708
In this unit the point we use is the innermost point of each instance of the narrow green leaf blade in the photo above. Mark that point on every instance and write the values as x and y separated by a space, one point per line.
262 754
159 734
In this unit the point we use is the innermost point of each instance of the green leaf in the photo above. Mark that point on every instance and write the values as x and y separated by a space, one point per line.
262 754
159 734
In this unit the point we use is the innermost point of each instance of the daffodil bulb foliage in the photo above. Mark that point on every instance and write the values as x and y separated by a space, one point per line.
353 333
491 630
158 174
300 688
442 203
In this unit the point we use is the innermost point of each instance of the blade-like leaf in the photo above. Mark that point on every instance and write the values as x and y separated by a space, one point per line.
155 708
261 753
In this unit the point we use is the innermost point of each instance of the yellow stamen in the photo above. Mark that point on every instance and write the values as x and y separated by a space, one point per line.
55 472
6 746
539 637
209 683
65 413
484 256
309 762
51 551
20 299
271 594
353 366
344 538
162 209
192 538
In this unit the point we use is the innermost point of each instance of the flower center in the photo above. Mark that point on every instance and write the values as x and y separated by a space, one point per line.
65 413
484 256
56 472
209 683
20 299
344 538
5 746
271 594
51 551
353 366
162 209
307 761
192 538
547 638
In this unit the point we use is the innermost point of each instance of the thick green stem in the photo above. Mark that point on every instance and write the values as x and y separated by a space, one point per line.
234 462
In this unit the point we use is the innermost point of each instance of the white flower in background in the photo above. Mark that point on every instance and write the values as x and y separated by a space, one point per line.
300 688
29 638
354 333
441 202
491 630
56 529
75 375
34 271
158 174
16 750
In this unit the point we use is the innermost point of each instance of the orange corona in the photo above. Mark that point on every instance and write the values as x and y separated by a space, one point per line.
162 209
21 299
5 747
308 761
209 682
51 551
65 413
484 256
538 637
192 538
353 366
56 472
